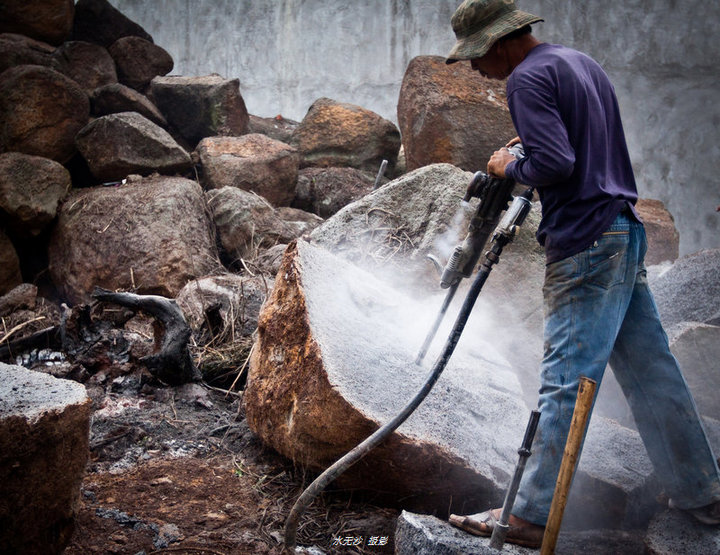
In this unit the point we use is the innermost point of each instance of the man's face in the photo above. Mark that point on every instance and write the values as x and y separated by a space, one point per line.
493 64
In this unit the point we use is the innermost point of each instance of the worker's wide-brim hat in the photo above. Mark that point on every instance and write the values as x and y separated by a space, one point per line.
480 23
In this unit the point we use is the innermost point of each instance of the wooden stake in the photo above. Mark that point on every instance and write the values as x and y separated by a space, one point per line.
583 406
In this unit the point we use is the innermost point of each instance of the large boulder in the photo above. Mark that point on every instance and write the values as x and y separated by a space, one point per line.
115 98
199 107
674 532
324 191
689 291
31 189
151 236
138 61
254 163
246 224
449 113
278 128
662 235
44 435
339 134
117 145
99 22
89 65
45 20
10 275
16 50
334 359
42 111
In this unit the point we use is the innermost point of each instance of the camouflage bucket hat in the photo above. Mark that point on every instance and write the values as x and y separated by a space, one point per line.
479 23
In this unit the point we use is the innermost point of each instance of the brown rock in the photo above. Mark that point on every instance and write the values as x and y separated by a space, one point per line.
449 113
324 191
150 235
22 297
16 50
245 224
254 163
139 61
115 98
42 111
31 188
117 145
46 20
334 359
199 107
89 65
10 275
278 128
44 432
662 235
99 22
338 134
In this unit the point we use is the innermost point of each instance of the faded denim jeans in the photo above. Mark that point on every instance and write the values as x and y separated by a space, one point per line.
598 308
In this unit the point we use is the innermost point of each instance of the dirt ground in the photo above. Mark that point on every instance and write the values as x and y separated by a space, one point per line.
177 470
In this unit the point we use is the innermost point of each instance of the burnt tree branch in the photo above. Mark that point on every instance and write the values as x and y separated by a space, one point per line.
172 363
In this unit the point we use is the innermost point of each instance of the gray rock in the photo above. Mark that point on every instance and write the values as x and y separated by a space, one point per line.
117 145
417 534
116 97
673 532
324 191
690 290
44 431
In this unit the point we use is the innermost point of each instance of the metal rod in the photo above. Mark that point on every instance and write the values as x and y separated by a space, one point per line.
436 324
502 525
583 406
380 174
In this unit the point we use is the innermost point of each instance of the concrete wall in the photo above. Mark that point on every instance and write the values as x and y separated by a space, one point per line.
661 55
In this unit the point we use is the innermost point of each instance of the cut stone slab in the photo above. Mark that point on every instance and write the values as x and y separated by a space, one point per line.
417 534
44 433
673 532
334 359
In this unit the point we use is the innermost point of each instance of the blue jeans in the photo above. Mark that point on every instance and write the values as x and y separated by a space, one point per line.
598 308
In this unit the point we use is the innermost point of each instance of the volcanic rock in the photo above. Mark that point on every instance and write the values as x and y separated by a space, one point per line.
138 61
99 22
45 20
324 191
16 50
117 145
115 98
254 163
31 188
10 275
44 430
42 111
662 235
199 107
338 134
151 236
334 359
449 113
89 65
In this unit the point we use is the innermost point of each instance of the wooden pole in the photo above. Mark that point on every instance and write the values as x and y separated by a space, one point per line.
583 406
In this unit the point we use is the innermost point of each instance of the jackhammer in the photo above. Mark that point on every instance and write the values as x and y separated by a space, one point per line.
494 194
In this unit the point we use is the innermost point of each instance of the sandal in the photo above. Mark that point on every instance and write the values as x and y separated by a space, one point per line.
482 524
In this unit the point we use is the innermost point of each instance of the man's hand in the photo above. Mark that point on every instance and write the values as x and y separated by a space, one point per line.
498 161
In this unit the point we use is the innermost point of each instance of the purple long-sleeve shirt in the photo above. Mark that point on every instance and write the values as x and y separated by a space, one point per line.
566 114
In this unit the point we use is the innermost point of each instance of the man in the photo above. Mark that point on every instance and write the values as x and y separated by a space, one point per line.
598 307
